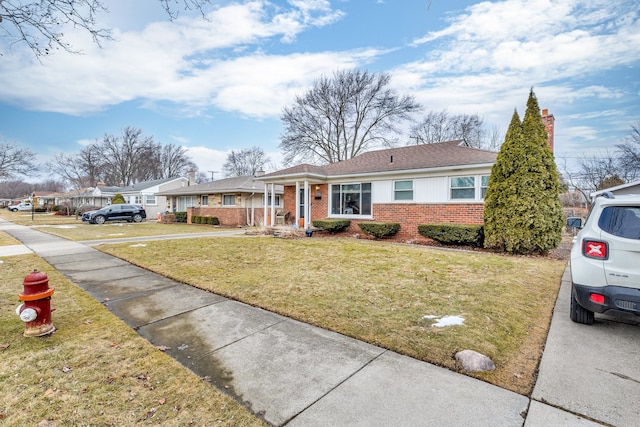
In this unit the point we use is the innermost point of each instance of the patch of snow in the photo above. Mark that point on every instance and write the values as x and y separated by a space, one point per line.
116 234
66 226
443 321
138 245
448 321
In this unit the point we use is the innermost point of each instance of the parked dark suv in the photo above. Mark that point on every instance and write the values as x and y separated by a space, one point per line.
129 213
605 259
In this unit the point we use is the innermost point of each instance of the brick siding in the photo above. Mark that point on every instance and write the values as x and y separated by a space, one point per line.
409 215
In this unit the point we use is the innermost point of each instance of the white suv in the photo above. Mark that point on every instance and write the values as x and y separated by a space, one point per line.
605 259
24 206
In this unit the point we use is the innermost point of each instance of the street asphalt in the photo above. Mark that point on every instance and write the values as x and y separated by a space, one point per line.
294 374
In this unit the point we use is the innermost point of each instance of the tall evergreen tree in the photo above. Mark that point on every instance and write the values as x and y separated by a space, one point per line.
523 213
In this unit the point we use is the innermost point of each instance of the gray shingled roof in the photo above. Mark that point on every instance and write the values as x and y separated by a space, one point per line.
414 157
240 184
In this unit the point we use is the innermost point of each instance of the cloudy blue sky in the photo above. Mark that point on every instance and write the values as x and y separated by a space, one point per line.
220 84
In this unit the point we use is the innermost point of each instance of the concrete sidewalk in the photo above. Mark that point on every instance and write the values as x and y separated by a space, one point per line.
291 373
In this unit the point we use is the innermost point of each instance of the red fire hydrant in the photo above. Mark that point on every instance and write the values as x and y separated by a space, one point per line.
35 311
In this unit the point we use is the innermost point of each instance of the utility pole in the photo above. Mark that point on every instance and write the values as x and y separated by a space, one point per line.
213 172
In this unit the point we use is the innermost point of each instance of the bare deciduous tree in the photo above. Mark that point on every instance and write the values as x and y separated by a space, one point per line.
440 126
127 156
343 116
121 160
172 161
68 167
629 152
15 160
590 172
245 162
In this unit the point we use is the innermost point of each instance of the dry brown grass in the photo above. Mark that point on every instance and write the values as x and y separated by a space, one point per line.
6 240
94 370
380 293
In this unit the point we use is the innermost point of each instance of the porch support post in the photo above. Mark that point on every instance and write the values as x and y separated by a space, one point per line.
297 207
307 210
264 206
273 204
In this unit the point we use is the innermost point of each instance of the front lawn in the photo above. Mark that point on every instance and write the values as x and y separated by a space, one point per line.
386 294
94 370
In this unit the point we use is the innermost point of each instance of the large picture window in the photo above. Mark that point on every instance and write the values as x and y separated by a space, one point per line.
351 199
403 190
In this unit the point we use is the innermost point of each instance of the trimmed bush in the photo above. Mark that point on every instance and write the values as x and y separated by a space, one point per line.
379 230
454 234
213 220
331 225
181 216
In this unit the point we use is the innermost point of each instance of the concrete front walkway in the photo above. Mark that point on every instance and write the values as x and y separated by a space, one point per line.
290 373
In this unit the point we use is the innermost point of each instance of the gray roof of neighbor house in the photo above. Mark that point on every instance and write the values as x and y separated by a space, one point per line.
238 184
414 157
145 184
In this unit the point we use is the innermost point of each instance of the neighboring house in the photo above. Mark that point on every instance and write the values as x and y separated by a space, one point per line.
630 188
420 184
236 201
149 194
102 194
141 193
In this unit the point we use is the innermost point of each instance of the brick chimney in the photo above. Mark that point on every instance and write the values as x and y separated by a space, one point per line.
548 121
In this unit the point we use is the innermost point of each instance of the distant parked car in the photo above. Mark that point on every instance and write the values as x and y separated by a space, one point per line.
605 258
24 206
129 213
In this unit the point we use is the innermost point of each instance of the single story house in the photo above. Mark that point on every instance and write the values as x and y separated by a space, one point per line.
420 184
148 193
235 201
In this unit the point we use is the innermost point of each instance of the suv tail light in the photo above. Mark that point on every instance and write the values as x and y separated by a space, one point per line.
595 249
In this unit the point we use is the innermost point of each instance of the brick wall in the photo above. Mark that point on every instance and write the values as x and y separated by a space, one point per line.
409 215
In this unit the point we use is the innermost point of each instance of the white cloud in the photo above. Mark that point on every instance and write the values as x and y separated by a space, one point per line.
191 61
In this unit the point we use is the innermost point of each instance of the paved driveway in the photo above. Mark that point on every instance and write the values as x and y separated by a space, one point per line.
591 370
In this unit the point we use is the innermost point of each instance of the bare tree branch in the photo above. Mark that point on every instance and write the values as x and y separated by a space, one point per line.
15 160
342 116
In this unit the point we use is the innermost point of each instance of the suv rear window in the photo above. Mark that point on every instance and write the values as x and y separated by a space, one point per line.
621 221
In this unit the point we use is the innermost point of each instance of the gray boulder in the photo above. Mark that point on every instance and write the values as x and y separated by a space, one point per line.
472 361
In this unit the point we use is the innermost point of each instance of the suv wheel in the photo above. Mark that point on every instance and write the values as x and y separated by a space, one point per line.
99 219
578 313
137 218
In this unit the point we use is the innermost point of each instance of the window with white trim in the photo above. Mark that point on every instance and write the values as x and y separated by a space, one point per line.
462 187
484 184
150 199
229 200
278 200
351 199
403 190
137 200
204 201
